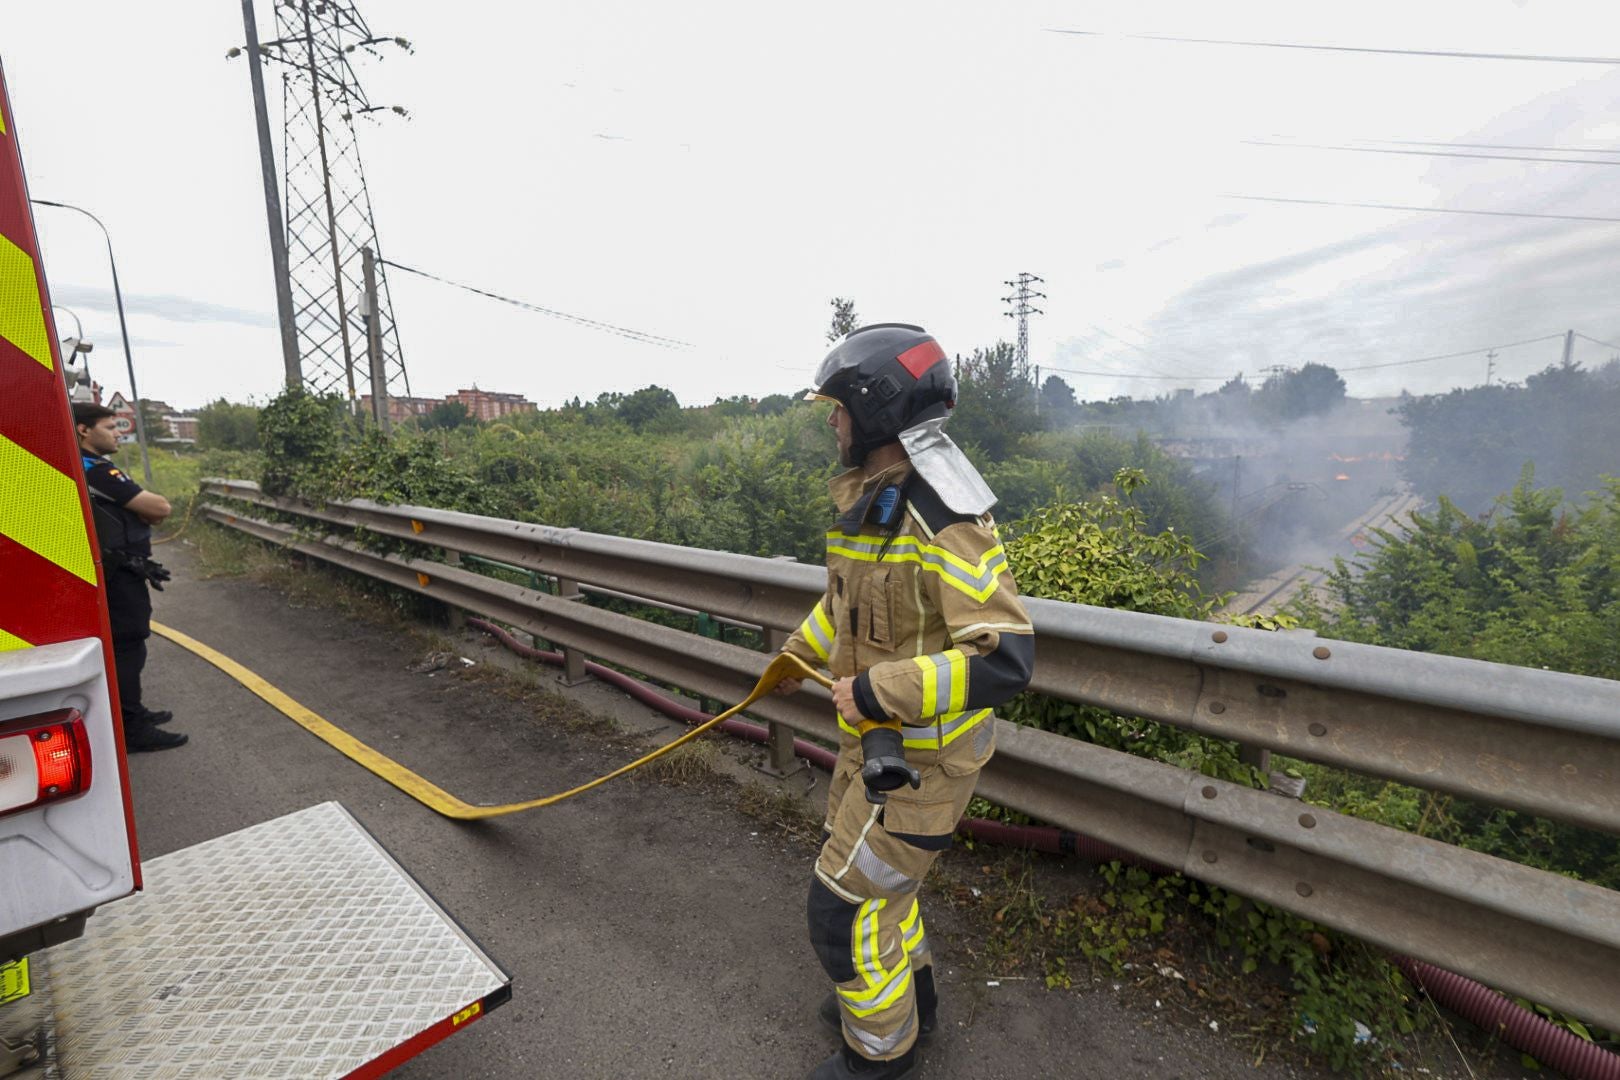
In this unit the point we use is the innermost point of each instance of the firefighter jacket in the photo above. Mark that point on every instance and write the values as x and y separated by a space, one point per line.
922 611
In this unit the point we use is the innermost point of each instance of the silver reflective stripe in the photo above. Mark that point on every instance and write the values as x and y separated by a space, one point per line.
942 681
948 724
820 640
877 1045
978 582
880 873
921 948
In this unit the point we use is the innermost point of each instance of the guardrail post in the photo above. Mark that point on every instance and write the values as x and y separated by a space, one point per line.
780 760
574 671
454 615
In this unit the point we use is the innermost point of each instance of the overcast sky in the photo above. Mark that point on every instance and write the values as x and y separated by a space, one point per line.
715 172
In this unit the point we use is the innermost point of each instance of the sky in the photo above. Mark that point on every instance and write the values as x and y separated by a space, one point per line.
716 173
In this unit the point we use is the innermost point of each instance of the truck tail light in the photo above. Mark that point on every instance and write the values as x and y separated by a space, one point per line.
43 758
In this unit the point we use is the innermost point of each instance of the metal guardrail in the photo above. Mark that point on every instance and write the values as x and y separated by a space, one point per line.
1539 741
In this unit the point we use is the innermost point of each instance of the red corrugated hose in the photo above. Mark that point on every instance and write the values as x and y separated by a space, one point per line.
1518 1027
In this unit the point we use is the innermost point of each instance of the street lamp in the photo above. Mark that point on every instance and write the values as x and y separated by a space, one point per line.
140 421
81 349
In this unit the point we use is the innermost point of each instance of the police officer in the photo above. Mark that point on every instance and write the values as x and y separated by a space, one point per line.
124 514
922 629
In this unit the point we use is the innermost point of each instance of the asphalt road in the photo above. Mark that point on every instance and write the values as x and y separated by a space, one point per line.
651 930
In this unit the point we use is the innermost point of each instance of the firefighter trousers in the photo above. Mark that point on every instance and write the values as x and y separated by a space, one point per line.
865 923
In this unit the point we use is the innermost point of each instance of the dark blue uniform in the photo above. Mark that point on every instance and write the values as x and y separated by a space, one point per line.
123 536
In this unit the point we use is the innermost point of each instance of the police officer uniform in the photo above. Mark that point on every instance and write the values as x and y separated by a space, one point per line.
921 611
126 550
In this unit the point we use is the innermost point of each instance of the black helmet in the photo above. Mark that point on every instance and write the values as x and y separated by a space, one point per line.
888 377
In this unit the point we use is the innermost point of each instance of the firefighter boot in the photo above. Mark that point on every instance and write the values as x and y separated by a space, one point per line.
142 738
927 1005
846 1064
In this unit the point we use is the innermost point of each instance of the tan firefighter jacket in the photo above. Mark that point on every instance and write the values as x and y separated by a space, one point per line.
925 616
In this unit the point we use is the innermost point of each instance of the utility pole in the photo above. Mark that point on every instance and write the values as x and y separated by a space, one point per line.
1569 346
272 205
1490 366
1022 309
374 351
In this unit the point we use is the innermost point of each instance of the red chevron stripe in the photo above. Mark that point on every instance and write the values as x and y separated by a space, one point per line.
44 603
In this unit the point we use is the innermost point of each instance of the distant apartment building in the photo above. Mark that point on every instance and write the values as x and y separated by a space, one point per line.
402 408
490 404
181 428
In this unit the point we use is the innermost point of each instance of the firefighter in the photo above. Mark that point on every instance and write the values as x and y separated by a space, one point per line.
124 514
922 629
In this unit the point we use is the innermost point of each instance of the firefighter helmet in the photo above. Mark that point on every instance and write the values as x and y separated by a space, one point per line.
888 377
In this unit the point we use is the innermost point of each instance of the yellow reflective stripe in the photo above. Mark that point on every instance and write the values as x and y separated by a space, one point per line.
977 582
899 980
911 929
818 631
865 943
958 664
39 509
11 642
949 728
930 692
22 319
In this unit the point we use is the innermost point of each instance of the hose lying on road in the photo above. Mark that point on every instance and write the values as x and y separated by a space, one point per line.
425 791
1519 1028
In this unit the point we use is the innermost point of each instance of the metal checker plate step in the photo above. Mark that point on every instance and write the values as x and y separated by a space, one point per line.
294 948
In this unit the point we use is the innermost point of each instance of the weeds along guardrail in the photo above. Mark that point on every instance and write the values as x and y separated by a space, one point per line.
1538 741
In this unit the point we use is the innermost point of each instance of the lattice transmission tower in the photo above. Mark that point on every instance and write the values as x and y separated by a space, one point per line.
328 212
1022 309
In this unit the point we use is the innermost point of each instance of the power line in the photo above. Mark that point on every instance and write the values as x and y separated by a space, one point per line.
1501 146
1431 153
1449 356
1595 341
1133 375
608 328
1453 54
1424 209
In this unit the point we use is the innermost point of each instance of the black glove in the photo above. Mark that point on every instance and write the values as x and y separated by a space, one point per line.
885 768
154 572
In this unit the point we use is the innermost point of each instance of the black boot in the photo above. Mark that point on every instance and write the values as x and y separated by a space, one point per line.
846 1064
140 737
155 716
927 1005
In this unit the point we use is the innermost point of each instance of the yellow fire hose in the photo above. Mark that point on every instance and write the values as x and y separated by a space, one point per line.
431 795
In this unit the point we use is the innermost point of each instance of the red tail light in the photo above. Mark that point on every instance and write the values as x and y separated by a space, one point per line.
43 758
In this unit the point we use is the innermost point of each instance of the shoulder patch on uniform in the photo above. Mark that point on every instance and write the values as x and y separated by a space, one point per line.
930 509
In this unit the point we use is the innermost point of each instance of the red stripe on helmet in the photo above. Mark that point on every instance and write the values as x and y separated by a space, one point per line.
919 358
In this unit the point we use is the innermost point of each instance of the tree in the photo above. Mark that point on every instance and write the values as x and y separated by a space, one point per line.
446 416
1058 405
646 405
1470 445
1309 391
844 318
996 403
224 425
152 420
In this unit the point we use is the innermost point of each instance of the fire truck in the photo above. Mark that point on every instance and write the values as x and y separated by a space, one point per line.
297 947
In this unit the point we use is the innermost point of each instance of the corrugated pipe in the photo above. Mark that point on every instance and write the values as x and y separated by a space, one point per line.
1518 1027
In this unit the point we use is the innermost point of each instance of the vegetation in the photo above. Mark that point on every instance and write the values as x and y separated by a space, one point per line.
1470 445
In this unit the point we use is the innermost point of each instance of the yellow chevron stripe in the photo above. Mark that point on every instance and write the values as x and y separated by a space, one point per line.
39 509
11 642
22 320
